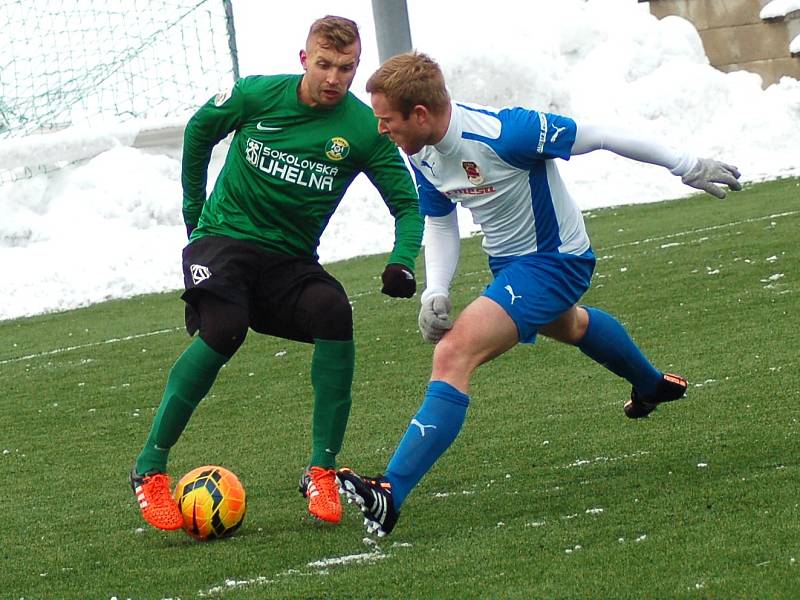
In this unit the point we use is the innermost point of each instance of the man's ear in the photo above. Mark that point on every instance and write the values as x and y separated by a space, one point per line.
421 113
304 59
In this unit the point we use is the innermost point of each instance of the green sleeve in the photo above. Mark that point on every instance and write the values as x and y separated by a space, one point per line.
389 174
207 127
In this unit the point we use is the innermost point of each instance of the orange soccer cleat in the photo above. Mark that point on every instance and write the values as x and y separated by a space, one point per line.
320 487
155 500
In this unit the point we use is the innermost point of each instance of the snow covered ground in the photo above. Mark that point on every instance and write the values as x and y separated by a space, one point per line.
111 226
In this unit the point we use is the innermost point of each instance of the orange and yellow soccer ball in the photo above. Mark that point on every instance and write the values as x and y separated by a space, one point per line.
212 501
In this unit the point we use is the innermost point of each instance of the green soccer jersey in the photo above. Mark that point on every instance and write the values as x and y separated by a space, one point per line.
288 168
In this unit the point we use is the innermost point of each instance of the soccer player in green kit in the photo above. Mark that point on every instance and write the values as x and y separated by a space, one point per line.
252 263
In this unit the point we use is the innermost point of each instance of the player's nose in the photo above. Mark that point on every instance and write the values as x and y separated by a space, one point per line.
333 78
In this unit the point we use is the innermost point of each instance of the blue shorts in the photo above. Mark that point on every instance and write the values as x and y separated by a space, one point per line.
536 289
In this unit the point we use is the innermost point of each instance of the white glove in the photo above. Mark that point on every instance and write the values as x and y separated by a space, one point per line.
707 172
434 317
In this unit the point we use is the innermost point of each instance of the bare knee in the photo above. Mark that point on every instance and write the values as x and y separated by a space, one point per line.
482 332
451 360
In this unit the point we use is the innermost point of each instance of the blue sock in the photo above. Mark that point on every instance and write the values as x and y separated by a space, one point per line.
607 342
432 430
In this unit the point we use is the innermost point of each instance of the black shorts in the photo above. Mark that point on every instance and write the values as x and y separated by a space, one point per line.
265 283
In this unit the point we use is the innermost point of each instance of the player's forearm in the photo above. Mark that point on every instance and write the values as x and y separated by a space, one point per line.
388 173
442 248
197 148
631 144
207 127
408 236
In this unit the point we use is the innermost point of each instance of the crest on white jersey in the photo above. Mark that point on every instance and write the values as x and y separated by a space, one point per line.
474 174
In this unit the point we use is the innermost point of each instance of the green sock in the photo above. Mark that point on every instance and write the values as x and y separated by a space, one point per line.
332 369
189 381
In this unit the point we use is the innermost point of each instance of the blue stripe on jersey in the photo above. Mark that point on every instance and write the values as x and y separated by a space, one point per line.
432 202
527 135
544 214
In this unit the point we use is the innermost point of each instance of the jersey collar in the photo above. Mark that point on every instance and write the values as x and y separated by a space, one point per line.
447 145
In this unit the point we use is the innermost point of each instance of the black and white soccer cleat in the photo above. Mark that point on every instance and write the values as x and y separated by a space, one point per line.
671 387
373 495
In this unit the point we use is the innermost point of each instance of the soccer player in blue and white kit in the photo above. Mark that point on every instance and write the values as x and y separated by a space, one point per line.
500 165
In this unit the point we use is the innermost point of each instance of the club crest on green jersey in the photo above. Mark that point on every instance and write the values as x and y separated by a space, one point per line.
337 148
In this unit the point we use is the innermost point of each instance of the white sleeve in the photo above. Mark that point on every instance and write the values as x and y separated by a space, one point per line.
631 144
442 246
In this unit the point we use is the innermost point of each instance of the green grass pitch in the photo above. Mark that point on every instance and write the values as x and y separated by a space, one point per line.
549 491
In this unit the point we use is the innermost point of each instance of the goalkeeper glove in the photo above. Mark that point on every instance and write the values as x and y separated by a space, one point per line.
434 317
707 172
398 281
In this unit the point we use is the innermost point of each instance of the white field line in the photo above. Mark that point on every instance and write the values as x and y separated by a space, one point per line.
602 459
670 236
317 566
360 294
89 345
343 560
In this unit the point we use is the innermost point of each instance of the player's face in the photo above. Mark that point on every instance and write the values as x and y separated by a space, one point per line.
410 133
328 72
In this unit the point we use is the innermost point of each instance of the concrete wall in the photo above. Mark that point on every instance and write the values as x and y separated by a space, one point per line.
736 38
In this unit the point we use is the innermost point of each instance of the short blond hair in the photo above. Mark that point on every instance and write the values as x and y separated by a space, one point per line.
410 79
338 32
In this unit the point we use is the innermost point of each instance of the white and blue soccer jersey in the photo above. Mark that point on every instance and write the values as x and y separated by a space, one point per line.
499 164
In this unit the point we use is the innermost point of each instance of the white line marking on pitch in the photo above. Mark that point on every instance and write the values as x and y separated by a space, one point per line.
90 345
701 230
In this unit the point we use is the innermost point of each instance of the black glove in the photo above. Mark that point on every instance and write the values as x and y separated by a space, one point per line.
398 281
189 230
